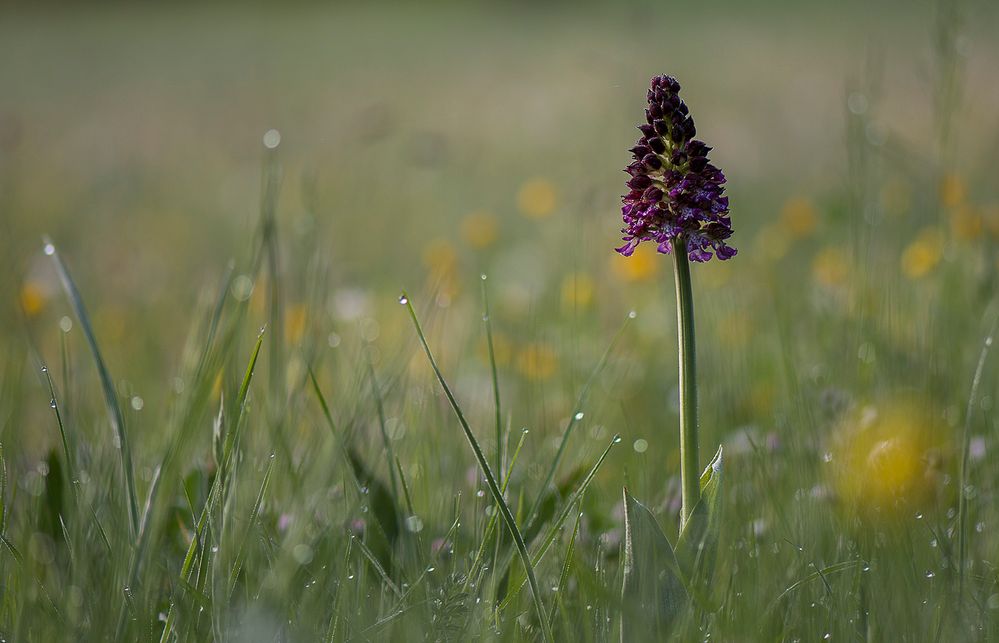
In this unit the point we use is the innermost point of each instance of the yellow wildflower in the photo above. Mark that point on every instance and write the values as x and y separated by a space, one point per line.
480 229
831 267
577 291
537 361
32 298
643 265
799 216
952 191
537 198
923 254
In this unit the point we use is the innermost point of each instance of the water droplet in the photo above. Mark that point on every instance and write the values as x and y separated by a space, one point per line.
579 416
272 138
617 438
431 569
350 577
414 524
403 299
483 276
526 430
988 341
52 403
632 315
480 493
929 573
919 516
865 568
45 369
215 549
827 457
137 403
49 249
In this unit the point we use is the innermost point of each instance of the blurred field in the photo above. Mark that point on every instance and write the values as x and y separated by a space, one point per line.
423 146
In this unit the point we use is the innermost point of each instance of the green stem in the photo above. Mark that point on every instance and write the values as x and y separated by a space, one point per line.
687 357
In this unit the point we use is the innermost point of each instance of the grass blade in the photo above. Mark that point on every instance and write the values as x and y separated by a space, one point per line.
487 472
107 384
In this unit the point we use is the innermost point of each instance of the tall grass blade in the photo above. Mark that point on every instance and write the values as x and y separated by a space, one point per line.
494 489
107 384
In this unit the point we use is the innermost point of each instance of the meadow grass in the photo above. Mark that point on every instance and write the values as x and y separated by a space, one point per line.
274 449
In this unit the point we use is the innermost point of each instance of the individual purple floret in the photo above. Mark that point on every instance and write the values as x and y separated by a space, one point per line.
674 191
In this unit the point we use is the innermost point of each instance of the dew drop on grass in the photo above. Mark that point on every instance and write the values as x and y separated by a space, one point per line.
617 439
919 516
483 276
403 299
414 524
480 493
137 403
579 416
929 573
49 249
272 138
52 403
632 315
45 369
65 324
431 569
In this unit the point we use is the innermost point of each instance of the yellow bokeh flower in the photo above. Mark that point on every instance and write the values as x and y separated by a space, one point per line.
966 222
32 298
952 191
772 243
831 267
577 291
502 349
881 456
799 216
923 254
990 217
480 229
537 198
643 265
439 256
537 361
294 323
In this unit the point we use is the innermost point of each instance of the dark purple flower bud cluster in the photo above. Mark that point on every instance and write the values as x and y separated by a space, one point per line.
674 191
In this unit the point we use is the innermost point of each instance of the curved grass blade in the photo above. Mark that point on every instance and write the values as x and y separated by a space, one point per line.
107 384
215 491
494 489
494 374
241 552
962 523
553 530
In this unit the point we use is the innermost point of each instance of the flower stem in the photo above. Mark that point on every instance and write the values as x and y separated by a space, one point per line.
687 357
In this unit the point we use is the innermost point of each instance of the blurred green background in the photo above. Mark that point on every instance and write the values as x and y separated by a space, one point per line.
423 145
